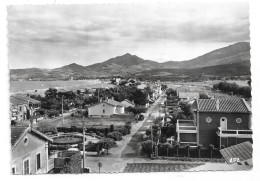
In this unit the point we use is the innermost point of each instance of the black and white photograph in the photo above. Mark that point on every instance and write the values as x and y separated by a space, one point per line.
130 87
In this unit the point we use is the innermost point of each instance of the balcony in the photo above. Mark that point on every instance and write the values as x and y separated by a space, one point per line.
235 133
186 126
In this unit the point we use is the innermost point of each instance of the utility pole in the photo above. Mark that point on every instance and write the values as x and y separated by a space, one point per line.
83 128
152 139
62 110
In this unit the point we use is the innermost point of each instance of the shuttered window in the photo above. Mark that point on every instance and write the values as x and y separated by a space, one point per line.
38 161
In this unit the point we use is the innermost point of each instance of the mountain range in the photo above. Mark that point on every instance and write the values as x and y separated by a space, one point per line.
233 60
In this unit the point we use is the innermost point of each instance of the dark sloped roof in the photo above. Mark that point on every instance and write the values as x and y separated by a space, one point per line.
16 133
23 99
225 105
243 151
115 103
17 101
100 103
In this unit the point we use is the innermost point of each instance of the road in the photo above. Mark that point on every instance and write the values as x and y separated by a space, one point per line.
129 149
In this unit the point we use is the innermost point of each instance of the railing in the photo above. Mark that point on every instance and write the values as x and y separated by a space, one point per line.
236 133
186 126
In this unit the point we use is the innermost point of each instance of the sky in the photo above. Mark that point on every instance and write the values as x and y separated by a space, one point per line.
52 36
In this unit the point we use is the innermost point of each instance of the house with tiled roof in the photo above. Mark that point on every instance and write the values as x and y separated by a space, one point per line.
106 108
128 103
188 96
220 122
22 107
29 151
241 153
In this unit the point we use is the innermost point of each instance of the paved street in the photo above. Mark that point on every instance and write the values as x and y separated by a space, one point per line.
129 149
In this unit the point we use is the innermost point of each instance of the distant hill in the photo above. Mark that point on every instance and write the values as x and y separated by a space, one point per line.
235 53
220 61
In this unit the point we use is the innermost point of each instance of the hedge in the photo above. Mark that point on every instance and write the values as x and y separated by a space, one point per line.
205 152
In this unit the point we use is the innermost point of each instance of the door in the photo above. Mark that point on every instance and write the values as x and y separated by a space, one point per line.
223 123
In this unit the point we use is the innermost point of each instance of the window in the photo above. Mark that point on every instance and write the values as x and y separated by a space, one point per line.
208 119
26 167
223 119
104 111
38 161
20 108
25 141
238 120
13 169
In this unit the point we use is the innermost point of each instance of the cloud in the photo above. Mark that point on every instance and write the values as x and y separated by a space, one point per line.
108 30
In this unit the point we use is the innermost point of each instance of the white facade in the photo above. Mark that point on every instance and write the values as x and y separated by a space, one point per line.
105 109
128 103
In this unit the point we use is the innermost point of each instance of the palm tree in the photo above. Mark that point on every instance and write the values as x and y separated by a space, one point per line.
199 149
211 149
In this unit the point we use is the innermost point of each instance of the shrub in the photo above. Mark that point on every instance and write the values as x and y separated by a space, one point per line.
147 146
123 130
59 147
101 135
111 129
74 164
45 127
115 135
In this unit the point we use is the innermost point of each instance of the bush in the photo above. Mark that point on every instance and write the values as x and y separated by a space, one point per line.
123 130
59 147
53 113
115 135
147 146
111 129
45 127
74 164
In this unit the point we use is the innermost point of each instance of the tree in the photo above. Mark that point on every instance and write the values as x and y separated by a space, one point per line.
187 111
106 143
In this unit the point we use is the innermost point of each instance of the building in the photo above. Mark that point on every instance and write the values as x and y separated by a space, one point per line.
29 151
221 122
183 96
22 108
106 108
240 153
128 103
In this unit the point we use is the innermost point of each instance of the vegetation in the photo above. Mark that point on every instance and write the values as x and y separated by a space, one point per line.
45 127
73 164
233 88
136 110
147 146
186 111
115 135
106 143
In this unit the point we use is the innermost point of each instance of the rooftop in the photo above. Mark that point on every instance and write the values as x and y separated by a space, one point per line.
188 95
243 151
222 105
18 100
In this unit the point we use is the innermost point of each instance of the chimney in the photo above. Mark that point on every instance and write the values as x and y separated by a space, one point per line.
217 104
112 98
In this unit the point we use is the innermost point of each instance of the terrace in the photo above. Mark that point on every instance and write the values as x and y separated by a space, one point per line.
187 131
186 126
235 133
